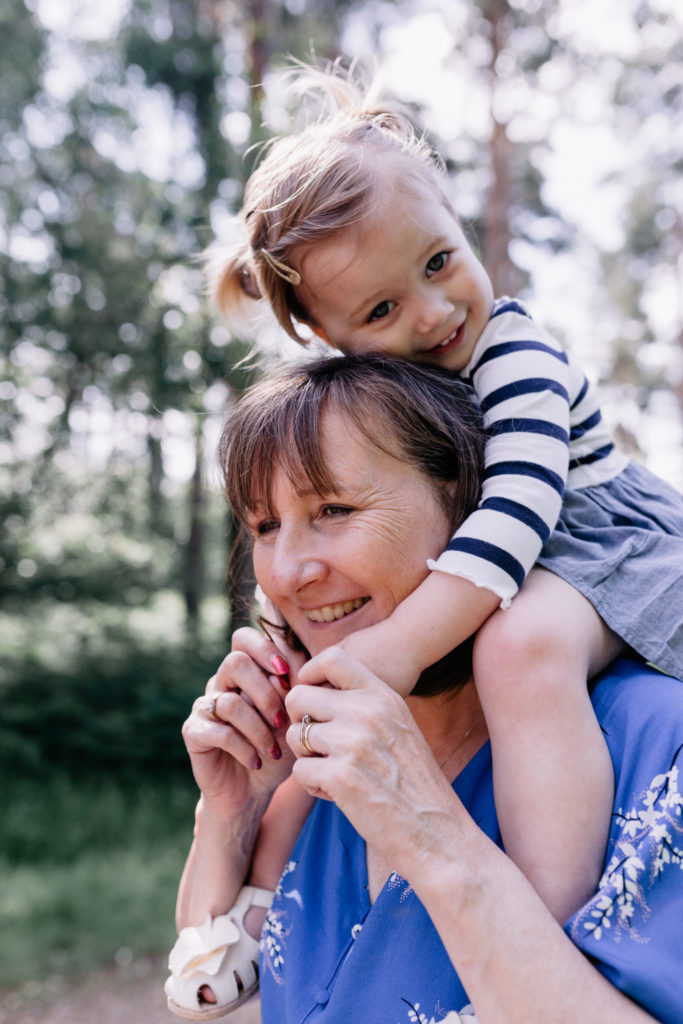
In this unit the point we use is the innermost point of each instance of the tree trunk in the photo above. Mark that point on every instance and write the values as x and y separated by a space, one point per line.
193 583
497 234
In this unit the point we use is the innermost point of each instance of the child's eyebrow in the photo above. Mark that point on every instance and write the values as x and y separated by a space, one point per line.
366 303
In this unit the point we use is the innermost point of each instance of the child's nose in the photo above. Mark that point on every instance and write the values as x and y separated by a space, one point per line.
433 310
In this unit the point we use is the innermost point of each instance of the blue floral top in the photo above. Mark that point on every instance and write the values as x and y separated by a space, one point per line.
328 956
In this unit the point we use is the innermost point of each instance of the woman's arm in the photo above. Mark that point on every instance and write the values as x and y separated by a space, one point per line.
512 957
235 739
514 960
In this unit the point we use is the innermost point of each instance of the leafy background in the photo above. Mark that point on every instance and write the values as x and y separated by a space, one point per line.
126 133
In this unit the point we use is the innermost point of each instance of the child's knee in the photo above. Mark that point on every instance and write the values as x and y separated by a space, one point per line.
515 652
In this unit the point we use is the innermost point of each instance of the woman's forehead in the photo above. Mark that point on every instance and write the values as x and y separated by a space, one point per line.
316 461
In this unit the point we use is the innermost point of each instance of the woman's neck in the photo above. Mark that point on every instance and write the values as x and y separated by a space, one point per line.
453 725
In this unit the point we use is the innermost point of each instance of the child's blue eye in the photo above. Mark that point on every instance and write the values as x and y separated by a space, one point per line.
381 310
436 263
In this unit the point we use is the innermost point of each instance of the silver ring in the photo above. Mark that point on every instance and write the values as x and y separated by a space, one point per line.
212 707
306 722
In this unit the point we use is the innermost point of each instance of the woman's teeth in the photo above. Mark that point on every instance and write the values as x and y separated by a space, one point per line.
330 612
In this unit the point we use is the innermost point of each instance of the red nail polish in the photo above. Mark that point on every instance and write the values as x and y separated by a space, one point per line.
280 665
275 752
258 763
279 719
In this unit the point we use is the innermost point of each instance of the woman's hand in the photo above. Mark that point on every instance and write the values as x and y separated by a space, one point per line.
374 762
235 733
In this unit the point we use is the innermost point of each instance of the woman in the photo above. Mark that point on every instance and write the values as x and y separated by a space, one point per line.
397 903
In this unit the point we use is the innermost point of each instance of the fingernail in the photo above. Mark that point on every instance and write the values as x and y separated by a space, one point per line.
279 719
280 665
275 752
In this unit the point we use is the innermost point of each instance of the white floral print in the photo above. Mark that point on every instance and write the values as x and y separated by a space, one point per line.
396 881
416 1016
650 843
273 933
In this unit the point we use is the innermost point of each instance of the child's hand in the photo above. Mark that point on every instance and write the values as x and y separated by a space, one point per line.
385 652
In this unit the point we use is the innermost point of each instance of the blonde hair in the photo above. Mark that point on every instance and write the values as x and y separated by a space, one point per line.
313 184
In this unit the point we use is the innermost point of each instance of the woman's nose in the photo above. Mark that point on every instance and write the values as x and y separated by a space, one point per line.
433 310
296 562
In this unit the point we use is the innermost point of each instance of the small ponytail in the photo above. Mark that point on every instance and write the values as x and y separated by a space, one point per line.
231 280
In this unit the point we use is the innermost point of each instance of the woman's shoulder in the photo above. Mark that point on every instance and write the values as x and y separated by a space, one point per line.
632 696
631 926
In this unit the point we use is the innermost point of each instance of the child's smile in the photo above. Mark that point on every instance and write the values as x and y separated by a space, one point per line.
404 282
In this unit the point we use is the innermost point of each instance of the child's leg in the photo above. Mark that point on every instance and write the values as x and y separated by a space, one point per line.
277 834
279 830
280 827
552 773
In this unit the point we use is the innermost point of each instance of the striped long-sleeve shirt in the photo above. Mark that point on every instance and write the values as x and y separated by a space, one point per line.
545 432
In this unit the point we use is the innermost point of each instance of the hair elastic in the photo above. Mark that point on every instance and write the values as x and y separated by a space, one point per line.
281 269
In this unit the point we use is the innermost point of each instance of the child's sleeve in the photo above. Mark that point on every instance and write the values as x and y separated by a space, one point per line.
521 377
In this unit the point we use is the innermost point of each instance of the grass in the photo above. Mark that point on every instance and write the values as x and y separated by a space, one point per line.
88 874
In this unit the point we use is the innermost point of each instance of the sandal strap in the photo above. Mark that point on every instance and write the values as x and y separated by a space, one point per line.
212 954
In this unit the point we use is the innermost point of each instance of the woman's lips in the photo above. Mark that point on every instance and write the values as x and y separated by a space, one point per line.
331 612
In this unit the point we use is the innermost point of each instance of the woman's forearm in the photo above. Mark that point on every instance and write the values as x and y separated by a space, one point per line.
217 864
515 962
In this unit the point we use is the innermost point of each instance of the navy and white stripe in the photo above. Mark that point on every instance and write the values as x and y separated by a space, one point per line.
545 432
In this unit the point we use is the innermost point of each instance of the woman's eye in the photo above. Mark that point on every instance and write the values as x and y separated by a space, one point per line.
266 526
436 263
381 310
334 511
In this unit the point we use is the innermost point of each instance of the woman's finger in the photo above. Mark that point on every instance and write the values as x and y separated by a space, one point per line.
229 710
355 691
308 737
340 669
264 652
240 674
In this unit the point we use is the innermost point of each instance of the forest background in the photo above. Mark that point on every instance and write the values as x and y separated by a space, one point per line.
126 133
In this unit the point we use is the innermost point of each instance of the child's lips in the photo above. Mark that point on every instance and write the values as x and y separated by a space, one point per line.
453 339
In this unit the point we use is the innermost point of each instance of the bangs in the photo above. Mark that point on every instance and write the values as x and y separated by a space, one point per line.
266 437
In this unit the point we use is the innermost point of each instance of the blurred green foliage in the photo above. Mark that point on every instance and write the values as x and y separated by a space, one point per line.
89 871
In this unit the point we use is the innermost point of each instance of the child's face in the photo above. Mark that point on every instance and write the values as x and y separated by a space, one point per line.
403 282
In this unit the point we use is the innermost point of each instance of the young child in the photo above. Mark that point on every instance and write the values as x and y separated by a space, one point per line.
347 231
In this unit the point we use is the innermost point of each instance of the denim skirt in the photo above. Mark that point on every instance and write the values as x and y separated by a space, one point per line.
621 545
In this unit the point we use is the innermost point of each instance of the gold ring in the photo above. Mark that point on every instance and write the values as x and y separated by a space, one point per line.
212 707
306 722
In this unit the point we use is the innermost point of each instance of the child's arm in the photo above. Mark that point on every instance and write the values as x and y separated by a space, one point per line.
522 380
440 614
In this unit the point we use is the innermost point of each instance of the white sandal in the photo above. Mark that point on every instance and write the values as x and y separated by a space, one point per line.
220 954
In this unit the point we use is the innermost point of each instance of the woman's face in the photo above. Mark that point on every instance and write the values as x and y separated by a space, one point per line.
336 563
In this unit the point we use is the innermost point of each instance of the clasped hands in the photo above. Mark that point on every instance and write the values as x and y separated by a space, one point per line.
243 735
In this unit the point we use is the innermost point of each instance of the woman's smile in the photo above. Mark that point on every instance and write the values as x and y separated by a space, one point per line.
339 610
